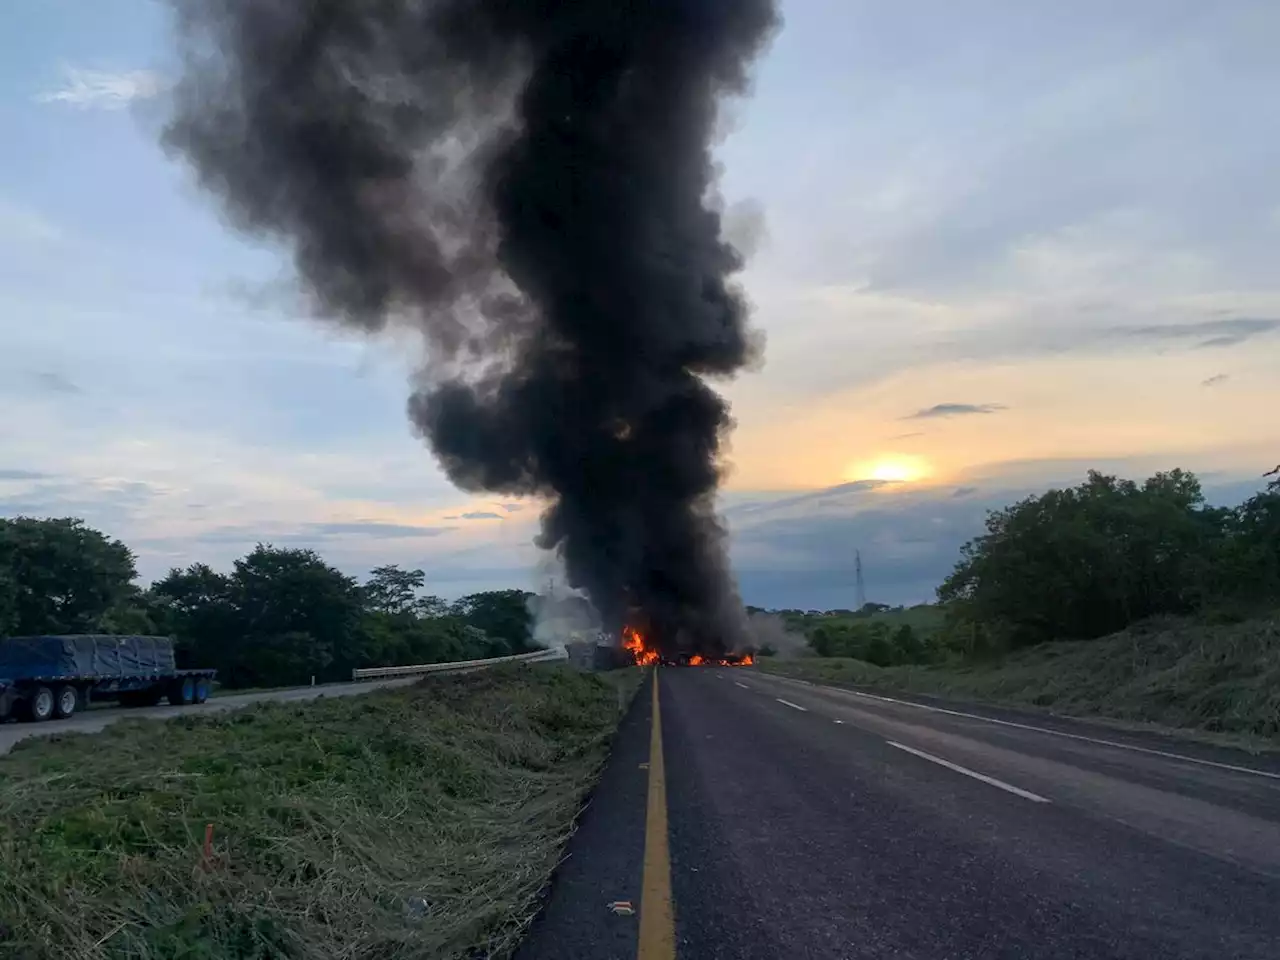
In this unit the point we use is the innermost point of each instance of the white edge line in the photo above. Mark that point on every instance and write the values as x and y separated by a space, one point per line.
742 685
1017 791
1055 733
793 706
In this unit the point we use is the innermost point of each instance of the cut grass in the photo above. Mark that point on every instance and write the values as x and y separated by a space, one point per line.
1210 678
410 823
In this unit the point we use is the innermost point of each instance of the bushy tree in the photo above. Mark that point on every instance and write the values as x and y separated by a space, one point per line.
60 576
392 590
280 617
503 616
1090 560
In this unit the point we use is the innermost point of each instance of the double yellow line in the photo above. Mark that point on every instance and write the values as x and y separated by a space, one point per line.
657 921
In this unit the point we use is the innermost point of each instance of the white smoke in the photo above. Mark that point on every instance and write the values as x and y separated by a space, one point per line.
561 615
770 630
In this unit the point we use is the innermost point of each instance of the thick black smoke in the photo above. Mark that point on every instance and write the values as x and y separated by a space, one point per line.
528 183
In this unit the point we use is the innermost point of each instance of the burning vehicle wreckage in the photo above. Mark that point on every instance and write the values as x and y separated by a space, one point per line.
643 653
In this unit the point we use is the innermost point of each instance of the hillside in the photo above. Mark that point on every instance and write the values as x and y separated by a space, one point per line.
1219 678
924 618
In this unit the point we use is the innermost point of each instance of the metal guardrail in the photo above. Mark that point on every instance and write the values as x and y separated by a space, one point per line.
458 666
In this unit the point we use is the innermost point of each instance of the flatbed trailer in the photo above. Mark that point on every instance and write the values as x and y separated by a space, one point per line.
53 677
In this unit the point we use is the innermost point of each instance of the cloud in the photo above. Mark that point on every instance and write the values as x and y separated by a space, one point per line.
954 410
102 89
307 534
512 507
908 543
1215 380
959 493
106 503
56 383
22 227
375 529
773 504
481 515
907 436
1211 333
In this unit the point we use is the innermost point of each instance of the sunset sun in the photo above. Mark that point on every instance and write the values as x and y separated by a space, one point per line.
890 469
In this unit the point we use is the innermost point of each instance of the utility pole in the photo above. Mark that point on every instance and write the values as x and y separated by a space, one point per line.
861 596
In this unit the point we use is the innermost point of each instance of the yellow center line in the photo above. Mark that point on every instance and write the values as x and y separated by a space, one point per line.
657 925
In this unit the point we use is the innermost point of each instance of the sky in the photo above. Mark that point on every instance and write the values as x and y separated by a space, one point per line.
993 245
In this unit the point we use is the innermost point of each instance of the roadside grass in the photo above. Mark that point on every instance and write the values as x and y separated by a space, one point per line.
924 618
410 823
1210 678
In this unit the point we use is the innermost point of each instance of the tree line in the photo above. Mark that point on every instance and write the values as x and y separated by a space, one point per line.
278 618
1076 564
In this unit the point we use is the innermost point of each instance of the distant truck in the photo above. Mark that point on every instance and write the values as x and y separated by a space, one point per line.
46 677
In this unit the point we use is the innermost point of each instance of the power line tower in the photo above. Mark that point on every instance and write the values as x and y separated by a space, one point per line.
860 596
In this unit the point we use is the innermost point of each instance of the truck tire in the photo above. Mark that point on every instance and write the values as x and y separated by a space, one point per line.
203 687
182 691
66 701
39 706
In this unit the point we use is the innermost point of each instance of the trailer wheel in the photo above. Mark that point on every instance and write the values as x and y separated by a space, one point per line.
182 691
40 705
202 689
66 701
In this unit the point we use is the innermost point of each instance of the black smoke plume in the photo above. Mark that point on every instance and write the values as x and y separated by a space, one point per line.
527 183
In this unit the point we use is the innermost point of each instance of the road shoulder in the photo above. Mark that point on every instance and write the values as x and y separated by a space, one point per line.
605 857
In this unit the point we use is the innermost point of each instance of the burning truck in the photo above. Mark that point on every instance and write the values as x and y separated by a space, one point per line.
644 654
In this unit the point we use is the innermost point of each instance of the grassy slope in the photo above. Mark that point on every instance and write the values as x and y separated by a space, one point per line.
420 822
924 618
1215 678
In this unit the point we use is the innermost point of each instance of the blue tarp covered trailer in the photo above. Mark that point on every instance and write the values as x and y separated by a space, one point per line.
53 676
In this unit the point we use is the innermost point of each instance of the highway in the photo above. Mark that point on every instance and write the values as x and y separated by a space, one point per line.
97 719
807 822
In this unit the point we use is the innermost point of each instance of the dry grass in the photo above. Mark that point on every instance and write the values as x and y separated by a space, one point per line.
1211 678
414 823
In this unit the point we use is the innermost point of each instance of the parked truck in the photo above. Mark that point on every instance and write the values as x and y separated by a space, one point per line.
46 677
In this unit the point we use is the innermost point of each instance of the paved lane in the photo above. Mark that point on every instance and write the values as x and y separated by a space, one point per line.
92 721
901 832
812 823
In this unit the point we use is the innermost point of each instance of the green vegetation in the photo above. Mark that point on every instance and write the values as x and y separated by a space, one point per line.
59 576
279 618
420 822
1113 598
877 633
1219 678
1088 561
1075 564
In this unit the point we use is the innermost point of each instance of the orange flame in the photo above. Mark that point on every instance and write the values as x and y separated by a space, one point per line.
643 655
633 642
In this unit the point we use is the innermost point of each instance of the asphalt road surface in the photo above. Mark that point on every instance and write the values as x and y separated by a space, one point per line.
92 721
806 822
